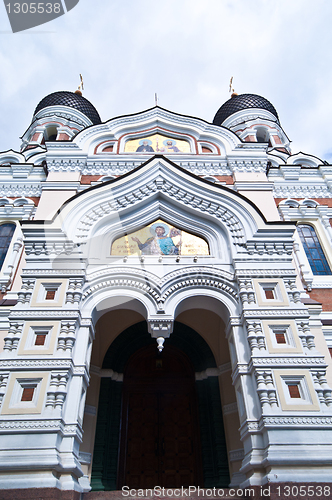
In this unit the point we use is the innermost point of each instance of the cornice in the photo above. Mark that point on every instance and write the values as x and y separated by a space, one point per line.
147 276
301 190
273 421
253 186
263 273
26 424
43 425
19 189
43 314
296 421
321 284
160 289
120 164
310 361
51 272
35 364
276 313
60 186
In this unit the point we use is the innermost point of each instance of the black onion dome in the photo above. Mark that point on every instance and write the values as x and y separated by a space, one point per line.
71 100
240 102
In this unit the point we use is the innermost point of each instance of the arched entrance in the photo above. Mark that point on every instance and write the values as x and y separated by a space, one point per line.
159 442
134 353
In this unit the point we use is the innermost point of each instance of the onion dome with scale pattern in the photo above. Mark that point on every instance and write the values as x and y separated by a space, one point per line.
72 100
241 102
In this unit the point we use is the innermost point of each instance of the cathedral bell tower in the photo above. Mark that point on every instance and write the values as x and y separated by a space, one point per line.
254 119
59 117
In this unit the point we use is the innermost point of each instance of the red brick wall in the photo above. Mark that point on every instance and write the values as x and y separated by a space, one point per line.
225 178
87 179
63 137
324 296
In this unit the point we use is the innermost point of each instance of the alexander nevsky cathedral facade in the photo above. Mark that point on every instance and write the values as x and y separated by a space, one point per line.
166 307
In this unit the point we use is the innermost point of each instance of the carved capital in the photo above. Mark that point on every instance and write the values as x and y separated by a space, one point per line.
160 327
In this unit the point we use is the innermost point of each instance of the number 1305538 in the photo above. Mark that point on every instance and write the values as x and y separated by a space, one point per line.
294 491
33 8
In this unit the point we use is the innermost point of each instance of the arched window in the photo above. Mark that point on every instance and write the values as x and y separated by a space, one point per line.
51 133
6 234
262 134
313 250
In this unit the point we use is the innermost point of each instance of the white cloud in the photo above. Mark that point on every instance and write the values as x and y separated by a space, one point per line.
186 50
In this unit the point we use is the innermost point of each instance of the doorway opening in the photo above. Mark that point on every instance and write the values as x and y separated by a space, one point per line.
159 426
159 442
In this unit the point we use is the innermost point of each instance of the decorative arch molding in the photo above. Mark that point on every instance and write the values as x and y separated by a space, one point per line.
159 118
104 145
276 160
230 223
38 154
305 160
79 154
159 298
108 229
155 181
11 156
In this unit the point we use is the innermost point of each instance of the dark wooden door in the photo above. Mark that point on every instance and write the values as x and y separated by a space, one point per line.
178 461
159 434
141 465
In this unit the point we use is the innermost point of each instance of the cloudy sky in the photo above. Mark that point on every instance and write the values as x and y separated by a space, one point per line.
186 51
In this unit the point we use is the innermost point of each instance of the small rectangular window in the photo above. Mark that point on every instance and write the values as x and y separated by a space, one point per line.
269 293
280 338
330 351
27 394
294 391
50 294
40 338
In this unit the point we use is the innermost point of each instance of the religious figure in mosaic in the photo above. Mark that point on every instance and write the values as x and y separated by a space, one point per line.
159 238
145 146
169 146
157 143
160 242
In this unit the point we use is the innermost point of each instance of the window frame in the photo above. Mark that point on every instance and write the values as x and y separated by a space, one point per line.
320 249
4 255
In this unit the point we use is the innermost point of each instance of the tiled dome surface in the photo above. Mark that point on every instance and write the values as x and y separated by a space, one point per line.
71 100
240 102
